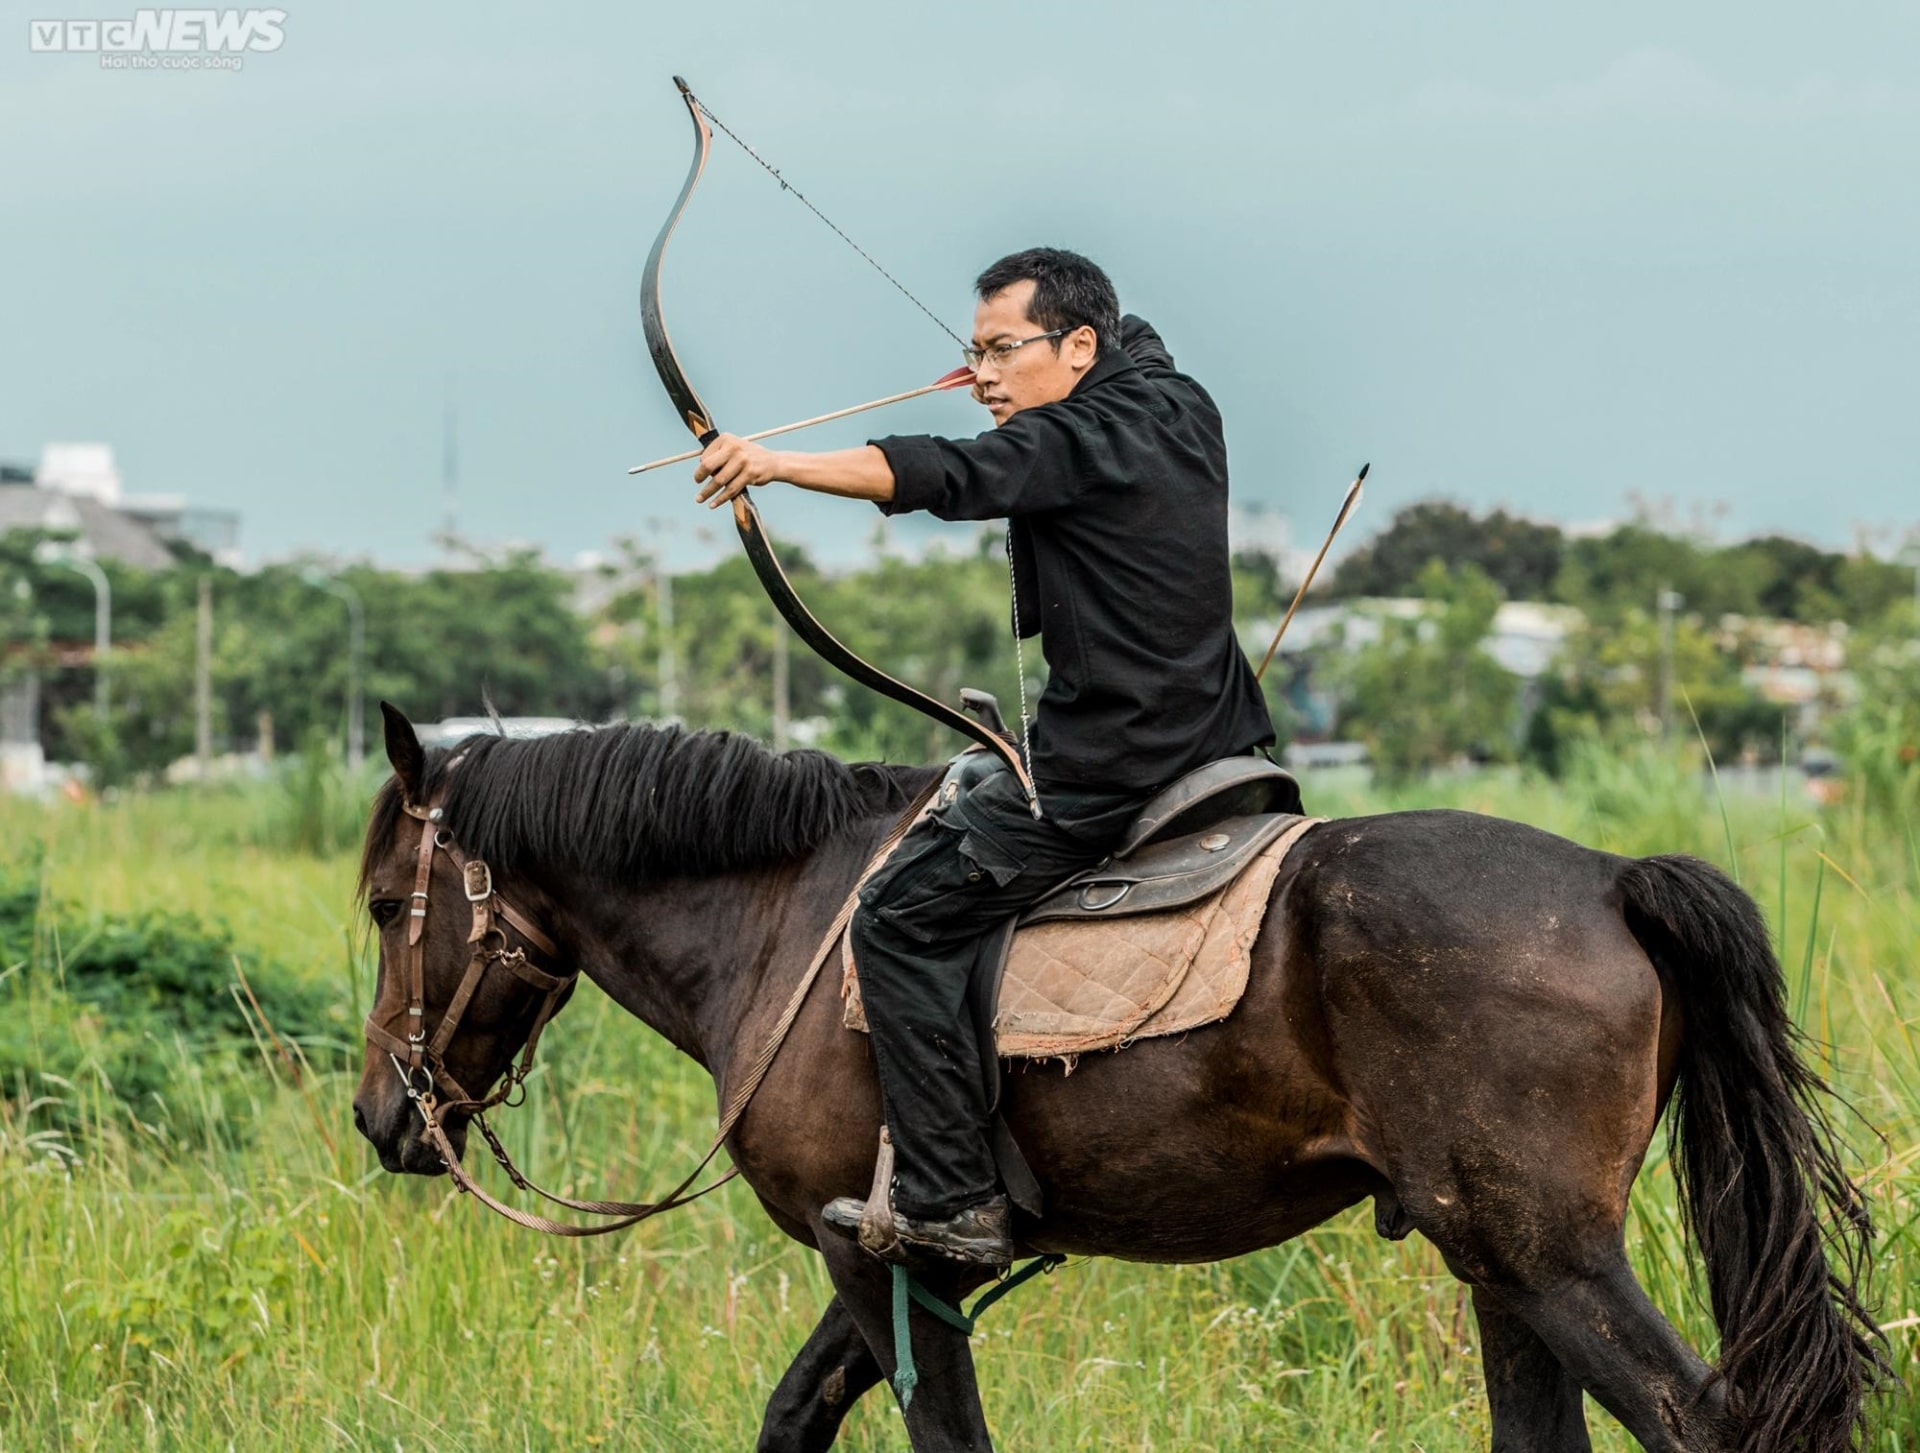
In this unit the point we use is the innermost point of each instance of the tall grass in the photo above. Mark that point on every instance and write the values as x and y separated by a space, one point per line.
221 1274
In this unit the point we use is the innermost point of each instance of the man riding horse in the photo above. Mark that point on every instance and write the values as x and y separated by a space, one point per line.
1110 468
1474 1023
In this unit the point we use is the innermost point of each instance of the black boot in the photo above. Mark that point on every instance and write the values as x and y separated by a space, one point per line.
980 1235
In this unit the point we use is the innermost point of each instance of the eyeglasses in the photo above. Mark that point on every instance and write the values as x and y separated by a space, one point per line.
1000 352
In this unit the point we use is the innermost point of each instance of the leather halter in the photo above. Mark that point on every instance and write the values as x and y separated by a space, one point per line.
486 945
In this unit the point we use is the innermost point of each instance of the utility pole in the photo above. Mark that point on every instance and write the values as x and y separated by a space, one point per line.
203 681
669 703
669 686
356 662
782 705
1669 602
450 471
356 675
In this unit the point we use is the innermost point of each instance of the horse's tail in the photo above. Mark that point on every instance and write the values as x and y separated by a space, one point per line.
1759 1168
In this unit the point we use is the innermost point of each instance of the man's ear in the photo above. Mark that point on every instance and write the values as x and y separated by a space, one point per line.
1083 346
409 758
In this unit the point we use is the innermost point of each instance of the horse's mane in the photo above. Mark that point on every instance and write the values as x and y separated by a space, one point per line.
623 802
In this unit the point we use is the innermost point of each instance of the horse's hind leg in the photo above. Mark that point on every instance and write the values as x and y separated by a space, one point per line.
1536 1402
1608 1335
1516 1161
1537 1232
1536 1221
826 1378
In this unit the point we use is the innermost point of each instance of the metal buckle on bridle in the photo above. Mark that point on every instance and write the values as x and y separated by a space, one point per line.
422 1098
514 1083
478 880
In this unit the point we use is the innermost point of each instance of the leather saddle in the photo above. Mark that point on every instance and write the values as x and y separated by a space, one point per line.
1191 839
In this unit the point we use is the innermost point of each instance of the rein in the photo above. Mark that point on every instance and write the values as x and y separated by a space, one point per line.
413 1053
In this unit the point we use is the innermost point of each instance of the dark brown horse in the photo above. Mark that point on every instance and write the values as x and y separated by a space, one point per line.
1474 1023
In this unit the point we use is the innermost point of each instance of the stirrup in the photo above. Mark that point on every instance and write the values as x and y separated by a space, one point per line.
978 1236
877 1232
871 1220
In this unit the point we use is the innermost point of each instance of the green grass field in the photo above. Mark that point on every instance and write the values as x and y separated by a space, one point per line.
222 1264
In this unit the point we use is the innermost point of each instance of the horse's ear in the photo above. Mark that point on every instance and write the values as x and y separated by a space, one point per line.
409 758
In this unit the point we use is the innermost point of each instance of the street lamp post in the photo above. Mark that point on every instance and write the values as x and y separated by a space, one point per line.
77 558
1669 602
356 660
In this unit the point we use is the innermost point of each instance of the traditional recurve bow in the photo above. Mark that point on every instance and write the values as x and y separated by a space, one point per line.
753 533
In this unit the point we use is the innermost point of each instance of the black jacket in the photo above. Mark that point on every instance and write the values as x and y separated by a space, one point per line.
1116 502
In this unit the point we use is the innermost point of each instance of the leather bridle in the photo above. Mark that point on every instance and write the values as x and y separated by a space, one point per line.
413 1053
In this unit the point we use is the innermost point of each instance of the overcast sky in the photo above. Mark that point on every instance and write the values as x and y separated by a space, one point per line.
1545 256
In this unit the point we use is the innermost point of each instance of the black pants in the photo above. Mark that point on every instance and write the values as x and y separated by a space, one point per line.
980 858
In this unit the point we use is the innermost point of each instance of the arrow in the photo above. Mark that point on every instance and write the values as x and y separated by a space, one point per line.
959 378
1353 498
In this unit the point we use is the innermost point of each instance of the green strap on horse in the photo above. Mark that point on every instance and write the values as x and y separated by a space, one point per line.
907 1288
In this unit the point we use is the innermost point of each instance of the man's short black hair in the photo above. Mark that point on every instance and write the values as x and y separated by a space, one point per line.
1069 291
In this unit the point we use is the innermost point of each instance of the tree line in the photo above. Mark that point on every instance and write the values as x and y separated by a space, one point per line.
1610 575
508 633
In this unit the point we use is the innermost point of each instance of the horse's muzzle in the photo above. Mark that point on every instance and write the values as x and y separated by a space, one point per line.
392 1128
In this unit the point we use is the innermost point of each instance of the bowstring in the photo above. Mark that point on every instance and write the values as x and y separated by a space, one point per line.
1019 653
787 186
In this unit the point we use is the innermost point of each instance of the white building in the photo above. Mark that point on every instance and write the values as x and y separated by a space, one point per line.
80 483
1270 533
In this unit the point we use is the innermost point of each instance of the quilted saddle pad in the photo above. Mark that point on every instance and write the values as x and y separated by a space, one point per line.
1079 985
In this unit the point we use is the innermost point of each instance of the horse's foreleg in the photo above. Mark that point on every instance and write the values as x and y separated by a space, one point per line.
945 1415
826 1378
1536 1403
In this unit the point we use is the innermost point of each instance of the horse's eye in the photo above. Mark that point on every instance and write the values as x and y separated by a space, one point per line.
384 910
